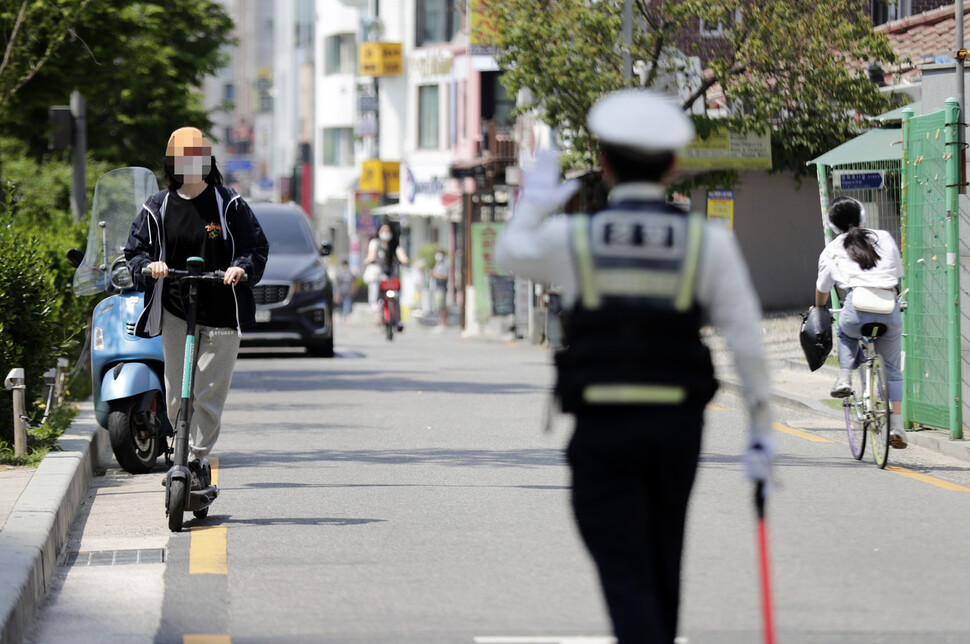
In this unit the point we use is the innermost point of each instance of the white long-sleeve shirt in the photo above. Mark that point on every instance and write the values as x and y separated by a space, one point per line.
836 267
539 248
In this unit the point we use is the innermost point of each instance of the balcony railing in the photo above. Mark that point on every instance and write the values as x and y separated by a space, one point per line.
498 145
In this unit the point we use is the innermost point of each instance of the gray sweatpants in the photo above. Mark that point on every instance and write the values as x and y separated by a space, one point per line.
216 348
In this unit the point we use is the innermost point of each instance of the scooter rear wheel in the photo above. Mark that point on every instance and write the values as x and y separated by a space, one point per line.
134 452
176 504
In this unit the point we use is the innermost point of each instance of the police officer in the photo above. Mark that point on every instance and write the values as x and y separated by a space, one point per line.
638 280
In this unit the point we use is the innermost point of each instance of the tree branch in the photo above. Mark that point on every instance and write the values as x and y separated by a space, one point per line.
13 37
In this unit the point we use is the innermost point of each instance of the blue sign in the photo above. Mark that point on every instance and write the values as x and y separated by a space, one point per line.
859 180
238 165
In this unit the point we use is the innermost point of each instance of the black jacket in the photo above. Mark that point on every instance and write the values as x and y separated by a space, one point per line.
245 244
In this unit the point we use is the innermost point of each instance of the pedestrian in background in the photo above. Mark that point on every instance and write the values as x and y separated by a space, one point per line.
345 289
639 279
439 282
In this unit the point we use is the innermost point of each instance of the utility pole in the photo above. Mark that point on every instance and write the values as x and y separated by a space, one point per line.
626 34
79 186
961 56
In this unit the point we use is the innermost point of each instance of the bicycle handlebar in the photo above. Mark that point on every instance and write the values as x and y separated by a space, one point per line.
213 276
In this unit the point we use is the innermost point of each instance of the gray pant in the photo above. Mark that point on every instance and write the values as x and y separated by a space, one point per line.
216 350
888 346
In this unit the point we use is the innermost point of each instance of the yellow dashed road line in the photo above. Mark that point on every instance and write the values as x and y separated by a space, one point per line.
785 429
214 464
207 554
206 639
932 480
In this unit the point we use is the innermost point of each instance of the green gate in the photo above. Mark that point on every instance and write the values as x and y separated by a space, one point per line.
929 235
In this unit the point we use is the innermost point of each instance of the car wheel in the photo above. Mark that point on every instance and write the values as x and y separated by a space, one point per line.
321 349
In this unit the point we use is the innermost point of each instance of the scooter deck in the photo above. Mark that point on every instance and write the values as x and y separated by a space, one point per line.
199 499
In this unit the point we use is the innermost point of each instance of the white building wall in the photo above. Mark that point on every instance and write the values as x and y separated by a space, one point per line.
335 107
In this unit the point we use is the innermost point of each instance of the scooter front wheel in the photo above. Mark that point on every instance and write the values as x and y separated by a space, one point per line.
135 444
176 504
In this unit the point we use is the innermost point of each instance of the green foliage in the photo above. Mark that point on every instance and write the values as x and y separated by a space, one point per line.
138 65
40 439
40 317
796 69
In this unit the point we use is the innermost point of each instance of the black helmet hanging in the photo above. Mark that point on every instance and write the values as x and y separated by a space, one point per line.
816 336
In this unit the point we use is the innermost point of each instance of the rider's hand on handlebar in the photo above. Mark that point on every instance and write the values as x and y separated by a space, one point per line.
159 270
233 275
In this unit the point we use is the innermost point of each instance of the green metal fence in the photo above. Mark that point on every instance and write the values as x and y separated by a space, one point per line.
929 237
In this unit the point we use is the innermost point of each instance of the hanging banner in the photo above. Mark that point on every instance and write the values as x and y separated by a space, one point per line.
726 150
484 236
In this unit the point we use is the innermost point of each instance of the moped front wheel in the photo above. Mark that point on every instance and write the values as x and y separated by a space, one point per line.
133 439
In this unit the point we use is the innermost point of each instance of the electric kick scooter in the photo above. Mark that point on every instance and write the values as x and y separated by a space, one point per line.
179 495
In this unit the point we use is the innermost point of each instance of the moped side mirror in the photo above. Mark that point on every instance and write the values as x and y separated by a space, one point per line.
326 248
75 256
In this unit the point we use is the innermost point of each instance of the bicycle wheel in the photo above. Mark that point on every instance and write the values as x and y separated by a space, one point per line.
879 412
855 418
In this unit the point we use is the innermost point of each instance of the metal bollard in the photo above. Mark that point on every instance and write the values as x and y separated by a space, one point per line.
15 382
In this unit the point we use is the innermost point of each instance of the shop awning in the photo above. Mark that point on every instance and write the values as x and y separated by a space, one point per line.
422 209
883 144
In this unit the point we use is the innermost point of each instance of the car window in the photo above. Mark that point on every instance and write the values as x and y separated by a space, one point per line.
287 234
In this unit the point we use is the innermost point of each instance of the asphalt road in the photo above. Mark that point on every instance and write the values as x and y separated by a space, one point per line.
406 492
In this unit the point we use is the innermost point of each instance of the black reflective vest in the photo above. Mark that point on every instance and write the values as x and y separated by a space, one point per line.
633 336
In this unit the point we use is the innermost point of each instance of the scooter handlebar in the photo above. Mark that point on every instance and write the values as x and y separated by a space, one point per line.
213 276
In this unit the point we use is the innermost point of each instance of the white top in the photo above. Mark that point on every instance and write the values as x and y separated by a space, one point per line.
540 249
835 266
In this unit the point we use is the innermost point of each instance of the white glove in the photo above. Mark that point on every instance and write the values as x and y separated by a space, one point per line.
759 456
541 185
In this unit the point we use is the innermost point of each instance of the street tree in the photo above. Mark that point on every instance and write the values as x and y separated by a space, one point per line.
797 69
138 64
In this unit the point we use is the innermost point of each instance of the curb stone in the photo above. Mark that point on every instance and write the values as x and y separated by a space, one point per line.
37 527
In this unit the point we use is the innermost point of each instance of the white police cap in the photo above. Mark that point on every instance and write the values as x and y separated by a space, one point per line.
641 120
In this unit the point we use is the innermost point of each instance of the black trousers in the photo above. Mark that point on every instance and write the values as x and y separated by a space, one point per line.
632 471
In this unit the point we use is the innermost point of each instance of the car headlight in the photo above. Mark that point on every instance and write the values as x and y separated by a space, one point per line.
312 285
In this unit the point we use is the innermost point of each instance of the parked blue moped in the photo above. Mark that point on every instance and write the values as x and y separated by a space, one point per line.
127 372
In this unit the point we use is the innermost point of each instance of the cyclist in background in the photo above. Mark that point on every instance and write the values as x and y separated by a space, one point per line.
386 253
866 263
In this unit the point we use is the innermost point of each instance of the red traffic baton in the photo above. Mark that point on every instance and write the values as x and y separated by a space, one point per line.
759 503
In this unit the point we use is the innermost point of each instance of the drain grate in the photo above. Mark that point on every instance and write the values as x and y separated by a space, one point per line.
115 557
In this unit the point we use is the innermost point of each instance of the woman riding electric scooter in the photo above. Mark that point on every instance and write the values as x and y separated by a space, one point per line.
197 217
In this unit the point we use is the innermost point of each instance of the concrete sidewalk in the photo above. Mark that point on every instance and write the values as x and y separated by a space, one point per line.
34 526
38 506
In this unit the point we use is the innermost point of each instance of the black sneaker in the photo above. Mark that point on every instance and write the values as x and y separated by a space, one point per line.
195 466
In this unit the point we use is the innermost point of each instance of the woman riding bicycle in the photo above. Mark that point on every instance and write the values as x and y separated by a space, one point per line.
866 264
385 252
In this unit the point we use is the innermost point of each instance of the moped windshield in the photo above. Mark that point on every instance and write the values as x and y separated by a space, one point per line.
118 198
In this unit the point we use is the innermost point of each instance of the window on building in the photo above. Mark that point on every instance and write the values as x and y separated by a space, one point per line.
338 146
436 21
720 28
428 117
229 92
496 104
339 54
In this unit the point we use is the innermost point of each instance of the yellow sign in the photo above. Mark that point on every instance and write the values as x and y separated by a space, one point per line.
720 207
483 31
725 150
380 59
380 176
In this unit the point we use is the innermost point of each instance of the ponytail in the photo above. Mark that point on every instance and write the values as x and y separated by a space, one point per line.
858 244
